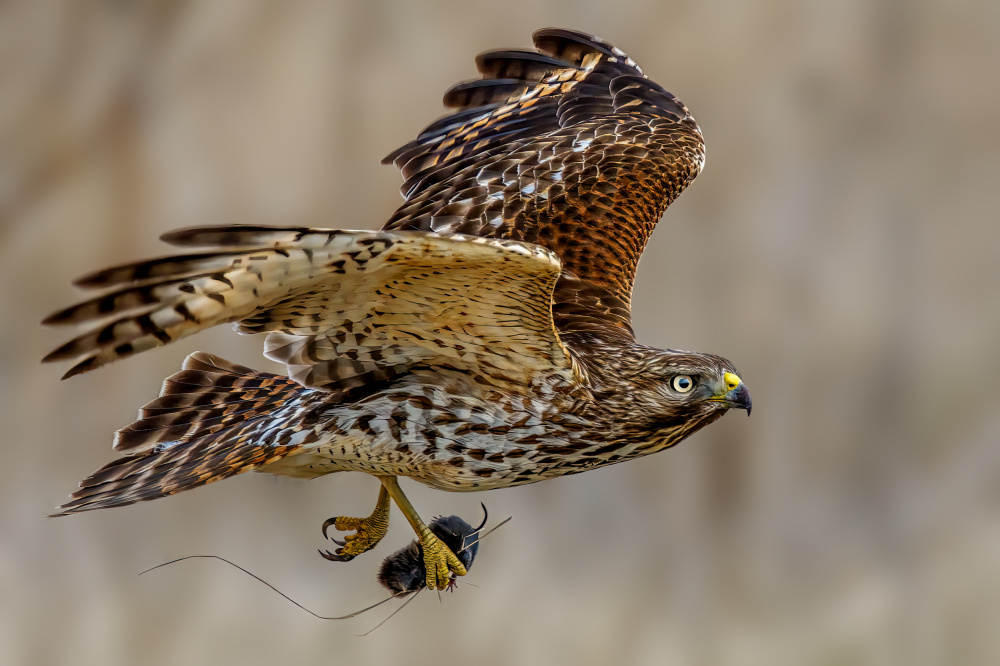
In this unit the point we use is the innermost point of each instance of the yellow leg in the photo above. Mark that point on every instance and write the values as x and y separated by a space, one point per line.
367 531
440 563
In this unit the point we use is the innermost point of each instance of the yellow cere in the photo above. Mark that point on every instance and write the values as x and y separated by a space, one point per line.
732 381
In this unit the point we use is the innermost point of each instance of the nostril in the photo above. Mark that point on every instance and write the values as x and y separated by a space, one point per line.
732 381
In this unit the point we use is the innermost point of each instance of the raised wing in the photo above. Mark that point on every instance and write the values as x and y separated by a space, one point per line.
341 307
569 147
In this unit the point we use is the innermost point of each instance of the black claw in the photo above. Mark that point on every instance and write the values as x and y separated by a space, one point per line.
326 525
335 557
338 542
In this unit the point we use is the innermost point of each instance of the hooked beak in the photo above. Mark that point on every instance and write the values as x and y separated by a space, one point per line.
735 395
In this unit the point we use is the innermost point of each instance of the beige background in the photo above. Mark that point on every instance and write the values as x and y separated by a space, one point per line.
841 247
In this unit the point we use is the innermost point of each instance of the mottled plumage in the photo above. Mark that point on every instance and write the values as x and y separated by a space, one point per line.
481 340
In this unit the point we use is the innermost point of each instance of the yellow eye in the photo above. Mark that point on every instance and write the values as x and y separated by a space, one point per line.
682 383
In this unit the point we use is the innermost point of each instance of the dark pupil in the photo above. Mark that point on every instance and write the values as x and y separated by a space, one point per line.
683 383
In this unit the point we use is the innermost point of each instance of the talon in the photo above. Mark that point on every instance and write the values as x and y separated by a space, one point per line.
326 525
367 532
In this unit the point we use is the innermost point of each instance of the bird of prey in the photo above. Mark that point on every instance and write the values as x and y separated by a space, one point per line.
482 339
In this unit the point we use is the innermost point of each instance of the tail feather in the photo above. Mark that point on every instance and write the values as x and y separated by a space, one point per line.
203 440
208 395
159 473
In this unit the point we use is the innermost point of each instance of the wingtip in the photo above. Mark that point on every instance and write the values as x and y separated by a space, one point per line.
60 512
51 357
83 366
577 36
62 353
553 31
56 318
180 237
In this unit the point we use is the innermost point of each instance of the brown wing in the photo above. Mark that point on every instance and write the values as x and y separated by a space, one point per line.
569 147
342 308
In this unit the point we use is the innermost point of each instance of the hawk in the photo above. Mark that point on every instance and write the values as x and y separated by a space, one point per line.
482 339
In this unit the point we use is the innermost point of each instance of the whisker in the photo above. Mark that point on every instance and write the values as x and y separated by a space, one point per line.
401 607
502 523
255 576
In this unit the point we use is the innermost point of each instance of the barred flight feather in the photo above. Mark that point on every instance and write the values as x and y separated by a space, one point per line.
342 307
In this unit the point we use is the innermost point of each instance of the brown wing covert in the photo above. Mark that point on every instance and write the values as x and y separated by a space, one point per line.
570 147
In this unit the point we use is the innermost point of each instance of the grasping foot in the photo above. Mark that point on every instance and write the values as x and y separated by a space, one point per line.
439 562
367 531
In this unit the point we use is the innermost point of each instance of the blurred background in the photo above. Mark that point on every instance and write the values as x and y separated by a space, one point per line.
841 247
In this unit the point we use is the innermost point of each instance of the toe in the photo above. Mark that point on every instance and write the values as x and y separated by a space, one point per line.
344 523
438 575
455 565
439 564
338 557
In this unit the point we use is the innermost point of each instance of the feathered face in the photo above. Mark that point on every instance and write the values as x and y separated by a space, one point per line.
681 389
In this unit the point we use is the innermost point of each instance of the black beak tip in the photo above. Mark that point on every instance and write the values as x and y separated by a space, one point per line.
741 398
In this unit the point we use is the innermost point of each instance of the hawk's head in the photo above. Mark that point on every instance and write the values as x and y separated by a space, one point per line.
675 393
